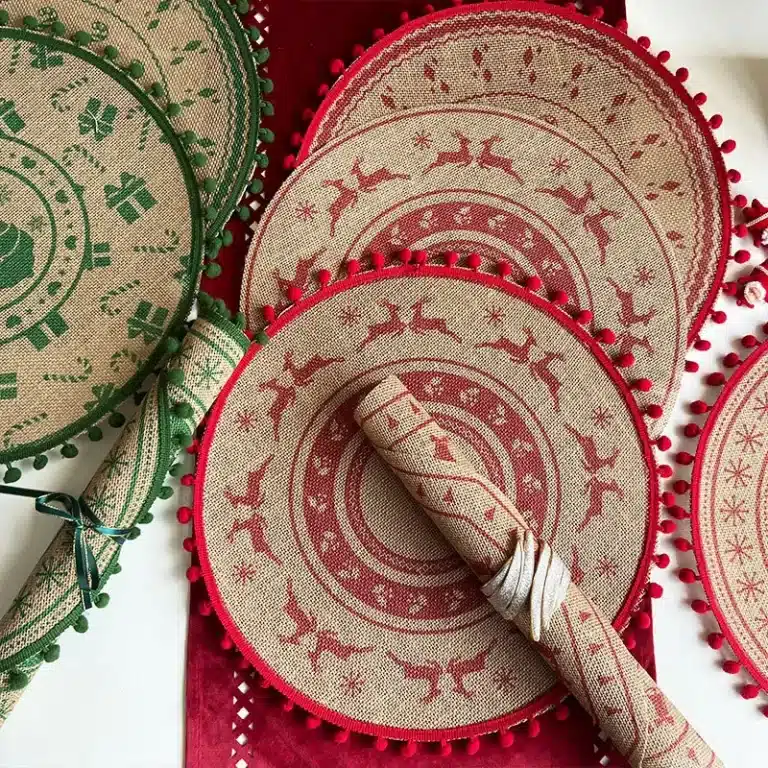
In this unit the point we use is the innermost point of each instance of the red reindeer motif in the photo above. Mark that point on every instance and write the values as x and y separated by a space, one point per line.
458 669
627 343
300 277
393 326
420 324
369 182
285 397
430 670
592 461
256 524
627 315
327 641
442 449
461 157
518 353
597 490
346 198
576 204
594 225
304 622
302 375
488 160
540 370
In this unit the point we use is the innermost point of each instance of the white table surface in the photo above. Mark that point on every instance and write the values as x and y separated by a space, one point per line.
116 696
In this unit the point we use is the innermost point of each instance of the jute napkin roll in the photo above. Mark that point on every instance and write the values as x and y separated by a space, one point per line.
579 644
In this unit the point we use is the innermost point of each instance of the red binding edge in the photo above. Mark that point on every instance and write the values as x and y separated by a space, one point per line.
634 614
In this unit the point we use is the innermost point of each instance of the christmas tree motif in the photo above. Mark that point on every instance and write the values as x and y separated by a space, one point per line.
131 199
17 255
100 122
42 57
142 324
9 117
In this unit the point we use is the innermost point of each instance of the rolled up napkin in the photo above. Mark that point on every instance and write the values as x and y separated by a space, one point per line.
72 572
532 587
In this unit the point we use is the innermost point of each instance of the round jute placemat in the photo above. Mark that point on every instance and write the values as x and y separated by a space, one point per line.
100 240
729 508
322 570
198 61
594 82
478 178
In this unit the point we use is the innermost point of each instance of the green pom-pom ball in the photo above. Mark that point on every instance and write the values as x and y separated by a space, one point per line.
227 238
262 55
165 492
30 22
81 624
136 69
183 410
116 419
58 29
199 159
82 38
146 518
212 269
12 475
117 569
176 376
256 186
261 338
101 600
69 450
177 470
156 90
17 680
95 434
111 53
183 439
51 653
133 533
40 461
172 344
4 18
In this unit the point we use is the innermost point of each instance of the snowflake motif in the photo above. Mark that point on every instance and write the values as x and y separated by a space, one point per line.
36 224
244 573
383 594
246 420
738 473
738 549
761 407
505 680
422 140
559 165
733 510
749 438
454 599
5 194
606 567
750 587
494 316
100 501
531 483
21 604
306 211
602 417
470 397
328 541
349 316
115 462
51 575
434 387
498 415
322 465
643 275
208 373
318 503
549 267
416 603
762 621
352 684
518 447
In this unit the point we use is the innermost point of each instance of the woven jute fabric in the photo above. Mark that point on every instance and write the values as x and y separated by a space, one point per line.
580 645
477 178
322 571
599 87
197 54
730 513
100 239
122 490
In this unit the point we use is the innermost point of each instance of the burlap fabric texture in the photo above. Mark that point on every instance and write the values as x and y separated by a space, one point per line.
197 61
100 239
729 510
363 611
580 645
596 84
120 494
476 178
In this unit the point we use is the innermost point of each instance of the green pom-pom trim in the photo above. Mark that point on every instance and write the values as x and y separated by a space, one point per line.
12 475
82 38
199 159
239 320
111 53
261 55
133 533
255 33
40 461
211 212
188 137
176 376
212 269
58 29
156 90
146 518
101 600
136 69
209 185
116 419
266 135
117 568
267 108
177 470
243 6
244 212
205 300
261 338
51 653
30 22
261 160
69 450
173 109
172 344
4 17
81 624
17 680
221 308
267 86
183 439
227 238
95 434
256 186
183 410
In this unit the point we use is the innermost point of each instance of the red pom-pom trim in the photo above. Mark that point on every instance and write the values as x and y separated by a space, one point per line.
625 361
504 268
293 293
408 749
662 560
698 407
405 256
353 267
380 744
750 691
731 667
559 297
691 430
451 258
533 283
606 336
268 313
184 515
583 317
687 576
377 260
700 606
654 411
715 640
663 443
667 526
655 591
474 260
691 366
716 379
324 277
336 67
684 458
681 486
534 728
683 545
473 746
445 748
341 736
506 739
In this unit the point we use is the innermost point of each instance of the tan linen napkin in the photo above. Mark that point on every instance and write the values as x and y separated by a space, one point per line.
580 644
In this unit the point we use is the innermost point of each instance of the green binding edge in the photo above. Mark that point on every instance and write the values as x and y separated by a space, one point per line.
216 313
124 78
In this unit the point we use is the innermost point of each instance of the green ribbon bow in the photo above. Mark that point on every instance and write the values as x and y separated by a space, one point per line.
76 513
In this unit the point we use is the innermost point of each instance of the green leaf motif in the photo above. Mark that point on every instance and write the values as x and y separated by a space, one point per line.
206 93
17 255
193 45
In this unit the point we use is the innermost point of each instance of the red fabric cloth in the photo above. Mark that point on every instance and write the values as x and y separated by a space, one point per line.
303 37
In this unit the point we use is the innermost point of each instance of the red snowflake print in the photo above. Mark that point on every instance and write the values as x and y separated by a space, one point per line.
734 510
352 684
761 407
422 140
749 438
559 165
738 549
306 211
643 275
246 421
738 473
244 573
349 316
750 587
494 316
762 621
505 680
602 417
606 567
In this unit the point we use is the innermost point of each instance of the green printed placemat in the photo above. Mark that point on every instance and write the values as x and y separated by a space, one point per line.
100 239
198 60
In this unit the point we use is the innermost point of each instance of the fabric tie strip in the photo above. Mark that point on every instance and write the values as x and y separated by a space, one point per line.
569 631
